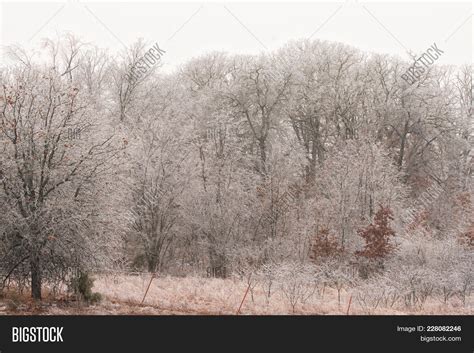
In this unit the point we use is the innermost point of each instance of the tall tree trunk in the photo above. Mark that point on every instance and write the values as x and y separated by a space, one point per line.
263 156
152 261
403 139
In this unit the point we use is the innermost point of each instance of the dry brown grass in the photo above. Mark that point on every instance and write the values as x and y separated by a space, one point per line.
209 296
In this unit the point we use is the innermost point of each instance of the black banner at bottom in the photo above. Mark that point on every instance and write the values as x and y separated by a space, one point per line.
220 333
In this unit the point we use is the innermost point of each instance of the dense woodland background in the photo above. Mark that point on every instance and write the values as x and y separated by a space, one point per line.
316 162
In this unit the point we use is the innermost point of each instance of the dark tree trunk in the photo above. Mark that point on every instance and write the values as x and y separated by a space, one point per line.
152 263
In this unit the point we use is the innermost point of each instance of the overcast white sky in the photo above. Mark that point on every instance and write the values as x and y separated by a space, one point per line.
188 29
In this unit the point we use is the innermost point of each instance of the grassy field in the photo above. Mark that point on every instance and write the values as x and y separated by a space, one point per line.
123 294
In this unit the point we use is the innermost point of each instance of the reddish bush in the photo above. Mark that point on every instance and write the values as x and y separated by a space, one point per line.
463 200
467 238
377 236
324 245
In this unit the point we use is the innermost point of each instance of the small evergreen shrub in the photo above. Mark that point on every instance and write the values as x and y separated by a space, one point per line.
82 287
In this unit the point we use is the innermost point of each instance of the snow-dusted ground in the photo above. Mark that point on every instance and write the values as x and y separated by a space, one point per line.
122 294
195 295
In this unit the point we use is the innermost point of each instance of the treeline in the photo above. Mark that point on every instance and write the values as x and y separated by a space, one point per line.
235 164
